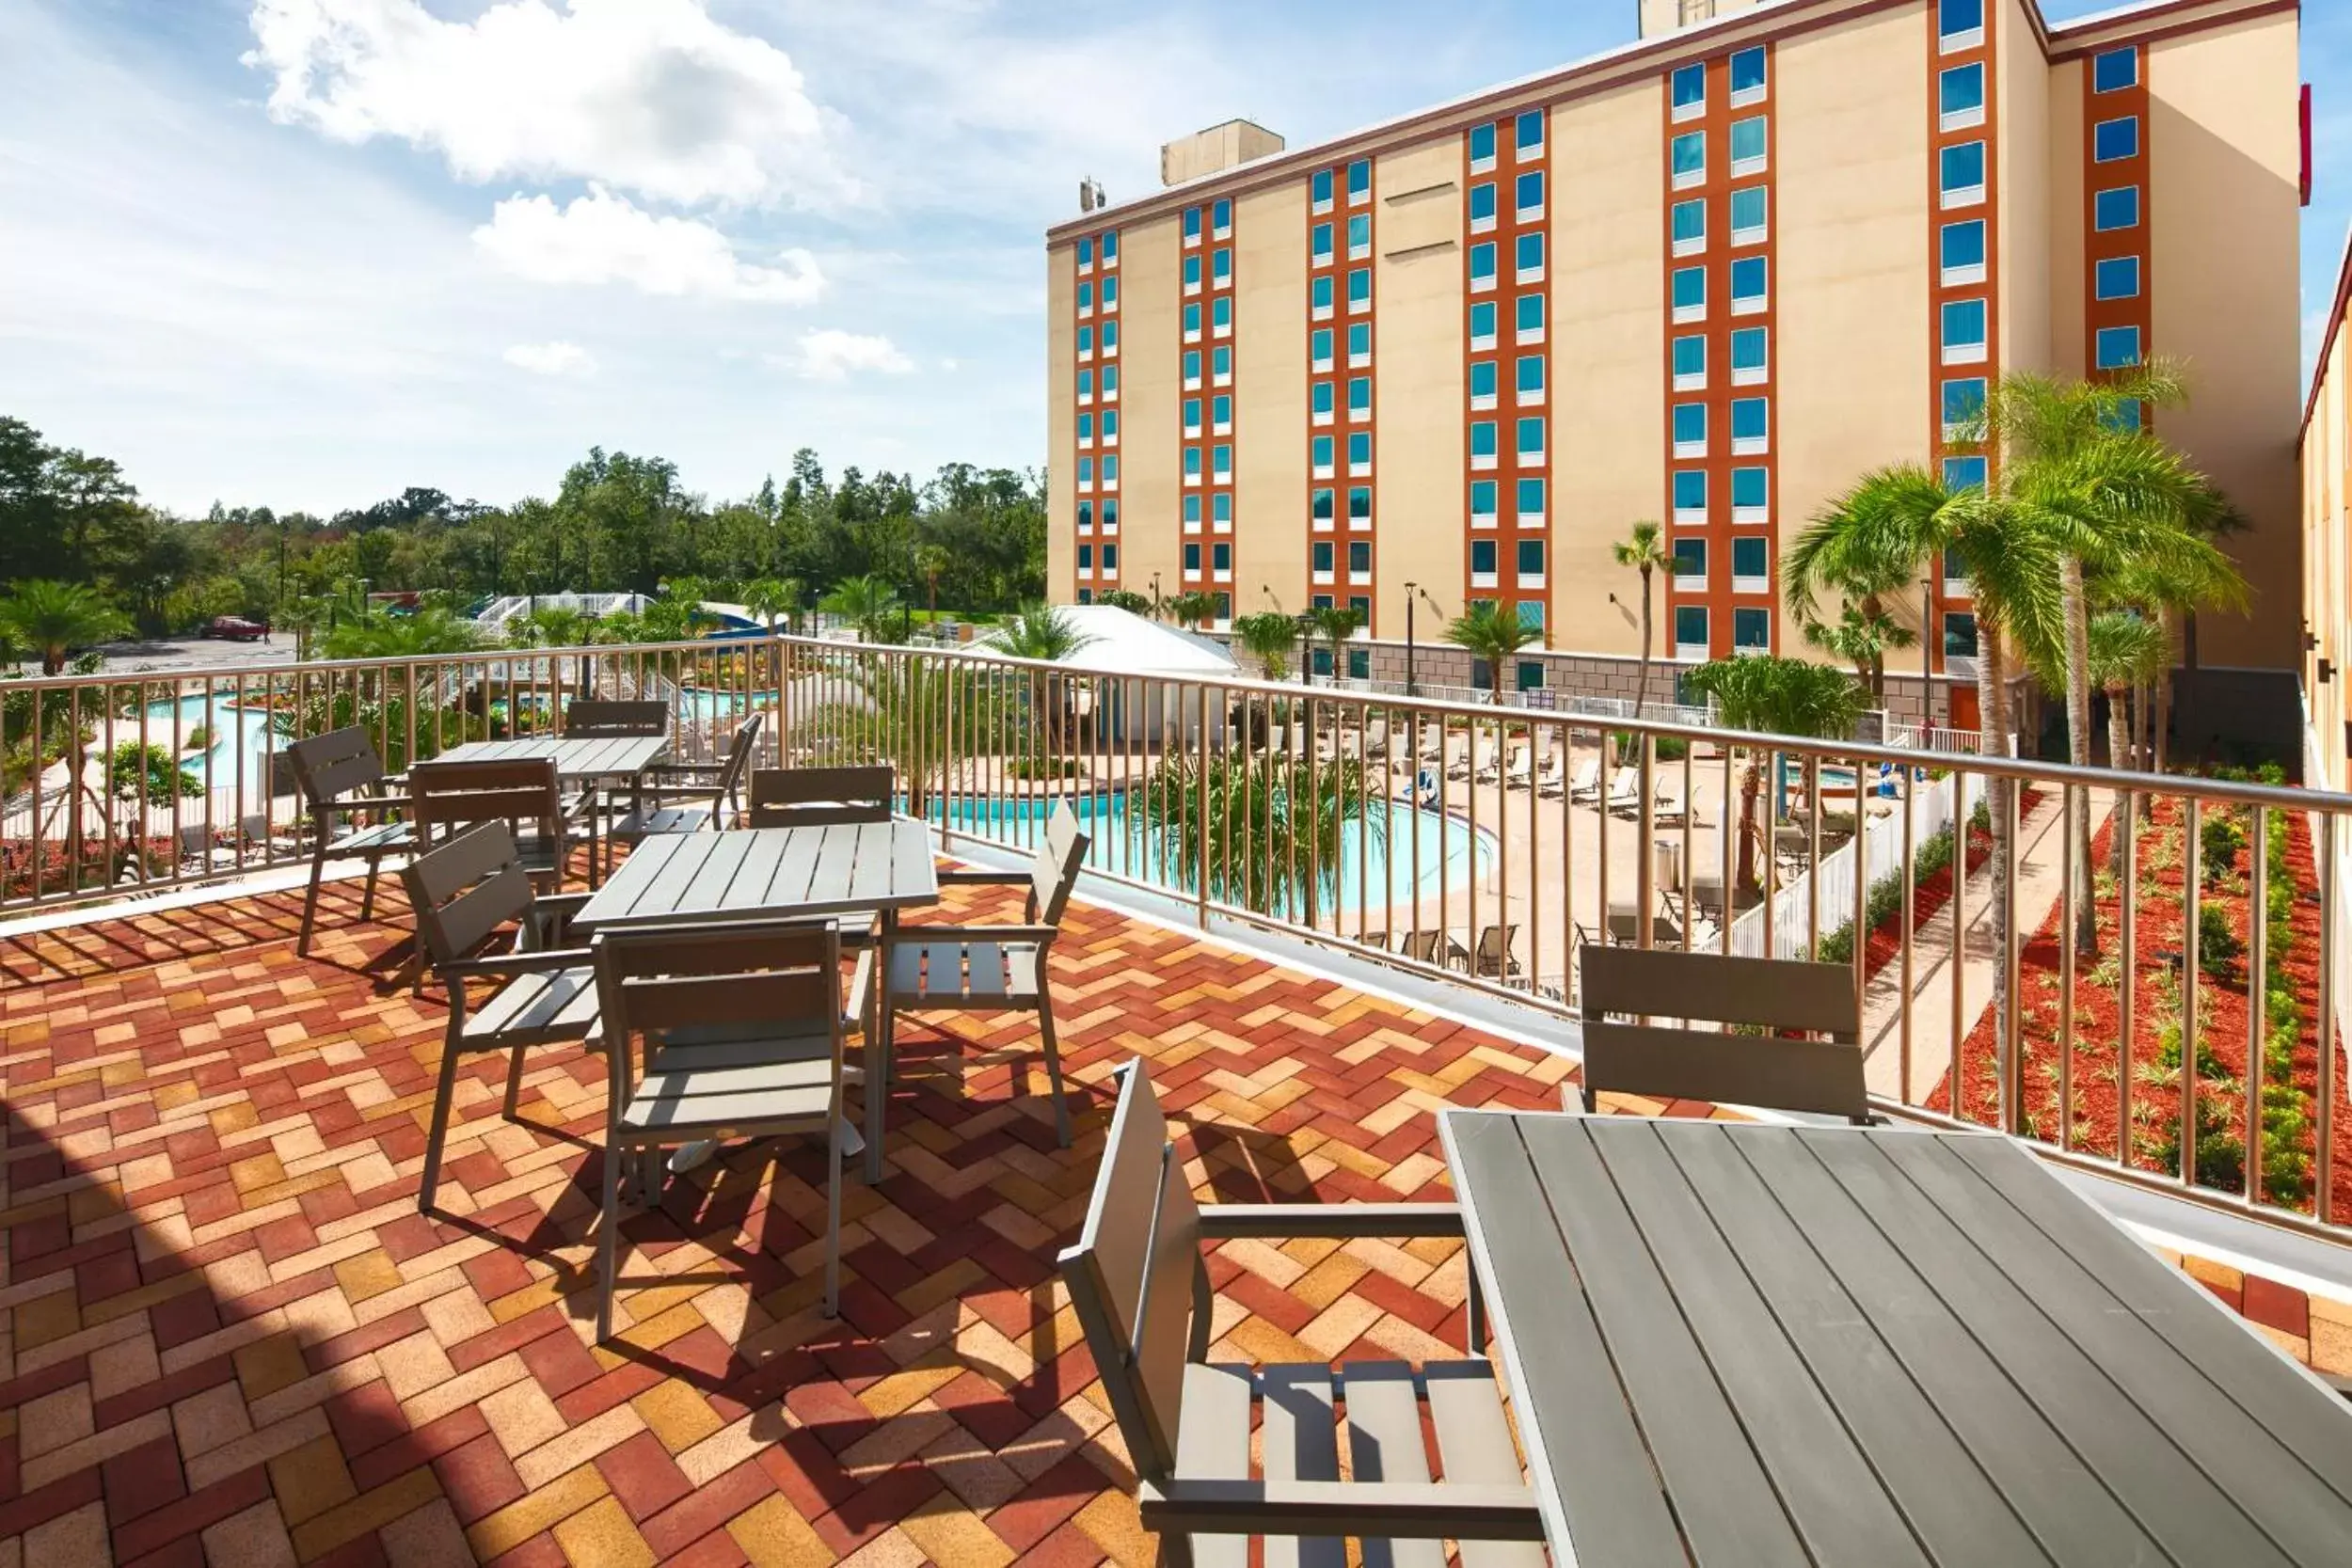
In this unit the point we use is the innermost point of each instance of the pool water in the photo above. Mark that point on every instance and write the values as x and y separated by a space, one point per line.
240 737
1420 846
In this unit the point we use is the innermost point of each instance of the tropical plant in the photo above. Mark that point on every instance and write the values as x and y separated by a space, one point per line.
1861 637
1644 551
1868 545
929 561
1336 625
1235 805
1193 608
1268 636
768 597
1126 599
301 614
2128 652
378 634
1486 632
50 619
1047 634
1781 696
2171 590
868 602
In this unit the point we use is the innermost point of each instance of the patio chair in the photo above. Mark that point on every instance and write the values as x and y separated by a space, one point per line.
742 1031
340 775
1625 789
268 837
1629 804
463 892
592 716
1140 1287
451 796
210 850
1586 788
1551 778
1680 814
818 797
1493 956
1521 771
1806 1055
928 969
666 806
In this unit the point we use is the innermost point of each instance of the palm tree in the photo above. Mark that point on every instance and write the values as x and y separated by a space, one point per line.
1861 639
1335 624
1193 608
1269 637
52 619
1781 696
1047 634
768 597
302 614
1233 805
929 561
865 602
1644 551
2127 651
1486 632
1872 542
376 634
2172 590
1126 599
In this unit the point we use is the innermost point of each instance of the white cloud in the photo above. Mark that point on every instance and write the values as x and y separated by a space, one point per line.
651 96
832 355
604 238
552 358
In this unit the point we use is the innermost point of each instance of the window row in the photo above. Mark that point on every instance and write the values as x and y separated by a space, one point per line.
1110 559
1321 290
1751 428
1750 282
1109 384
1358 185
1220 318
1750 565
1527 495
1527 193
1751 630
1749 208
1110 296
1324 499
1220 368
1526 441
1527 322
1750 495
1750 358
1109 473
1687 86
1319 343
1109 426
1106 245
1220 220
1220 465
1527 559
1527 139
1321 448
1220 560
1358 241
1220 415
1527 381
1110 516
1109 339
1686 154
1220 271
1220 512
1527 256
1324 554
1321 394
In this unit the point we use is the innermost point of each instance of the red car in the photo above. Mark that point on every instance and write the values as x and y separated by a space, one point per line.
236 628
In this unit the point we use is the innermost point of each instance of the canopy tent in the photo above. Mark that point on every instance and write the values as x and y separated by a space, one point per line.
1116 641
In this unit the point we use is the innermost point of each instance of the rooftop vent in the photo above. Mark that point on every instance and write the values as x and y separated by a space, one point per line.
1219 147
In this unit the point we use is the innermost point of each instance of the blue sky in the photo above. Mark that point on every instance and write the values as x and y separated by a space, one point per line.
306 252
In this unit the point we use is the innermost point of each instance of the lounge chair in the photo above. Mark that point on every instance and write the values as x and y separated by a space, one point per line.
1521 771
1625 789
1586 786
1493 957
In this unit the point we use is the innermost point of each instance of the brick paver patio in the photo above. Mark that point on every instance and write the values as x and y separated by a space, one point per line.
231 1339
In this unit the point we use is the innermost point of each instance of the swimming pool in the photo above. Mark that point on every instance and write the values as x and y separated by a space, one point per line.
1420 847
240 738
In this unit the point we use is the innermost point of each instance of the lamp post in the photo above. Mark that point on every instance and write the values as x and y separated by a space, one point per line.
1155 595
1413 592
1927 652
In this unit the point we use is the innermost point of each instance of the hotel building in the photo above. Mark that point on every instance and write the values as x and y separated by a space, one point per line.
1709 278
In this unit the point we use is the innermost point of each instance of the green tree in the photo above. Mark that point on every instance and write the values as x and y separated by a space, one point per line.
1336 623
1861 637
1644 551
2127 652
428 633
1781 696
1867 546
1045 633
768 597
1236 803
929 562
1269 637
1126 599
868 602
1193 608
52 619
1489 633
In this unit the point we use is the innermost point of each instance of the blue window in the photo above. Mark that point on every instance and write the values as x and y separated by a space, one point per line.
1220 460
1192 271
1359 179
1359 339
1961 89
1192 223
2125 415
1319 187
1482 201
1747 71
1954 17
1110 247
1963 323
1481 378
1482 498
2117 278
1964 473
1482 261
1318 295
1483 557
1323 504
1086 557
1962 166
1747 210
1221 559
1318 346
2111 139
1482 320
1531 374
1192 510
1690 222
1964 398
1960 634
1321 446
1691 625
1192 369
2115 208
1086 515
1962 245
2116 347
1690 489
1360 456
1318 244
1086 297
1689 557
1110 470
1530 497
1530 251
1086 252
1531 554
1358 288
1689 288
1221 268
1689 425
1528 134
1690 86
1748 349
1750 486
1221 506
1085 339
1220 314
1529 190
1747 141
1324 555
1086 385
1527 313
1482 143
1110 381
1747 279
1359 552
1359 394
1110 337
1110 293
1086 470
1751 419
1751 628
1483 442
1690 353
1531 619
1110 513
1221 214
1086 428
1751 557
2112 69
1688 154
1359 234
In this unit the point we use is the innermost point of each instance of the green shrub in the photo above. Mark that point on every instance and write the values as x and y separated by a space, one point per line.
2218 840
2217 947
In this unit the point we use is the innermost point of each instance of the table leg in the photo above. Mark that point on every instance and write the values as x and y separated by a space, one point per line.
879 1068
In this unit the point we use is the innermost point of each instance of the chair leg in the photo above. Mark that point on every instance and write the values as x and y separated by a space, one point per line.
1176 1550
877 1090
367 903
514 1082
1053 1069
832 1214
608 1244
310 901
443 1094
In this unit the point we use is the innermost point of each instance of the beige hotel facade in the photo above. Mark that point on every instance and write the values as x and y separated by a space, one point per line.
1709 278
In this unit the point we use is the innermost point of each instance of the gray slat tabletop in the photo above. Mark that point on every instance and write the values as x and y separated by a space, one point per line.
607 756
768 874
1738 1342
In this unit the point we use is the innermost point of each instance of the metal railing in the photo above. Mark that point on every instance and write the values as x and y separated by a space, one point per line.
1477 843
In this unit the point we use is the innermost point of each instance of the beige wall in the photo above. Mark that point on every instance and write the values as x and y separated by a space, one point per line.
2064 157
1148 433
1062 433
1419 502
1608 374
2327 557
1665 16
2225 151
2023 107
1270 402
1854 378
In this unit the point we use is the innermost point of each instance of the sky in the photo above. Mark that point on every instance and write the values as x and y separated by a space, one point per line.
305 253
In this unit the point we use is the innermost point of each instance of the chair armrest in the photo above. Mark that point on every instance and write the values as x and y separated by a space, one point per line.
537 962
561 903
910 935
1328 1221
983 879
367 802
1457 1510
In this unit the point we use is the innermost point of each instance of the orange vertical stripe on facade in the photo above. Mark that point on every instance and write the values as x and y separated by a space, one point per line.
1984 52
1206 243
1510 162
2116 104
1341 531
1095 529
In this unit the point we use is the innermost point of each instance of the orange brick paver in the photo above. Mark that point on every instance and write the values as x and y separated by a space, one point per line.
227 1335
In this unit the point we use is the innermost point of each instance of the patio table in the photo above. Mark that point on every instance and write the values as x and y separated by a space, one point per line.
584 759
1753 1343
769 873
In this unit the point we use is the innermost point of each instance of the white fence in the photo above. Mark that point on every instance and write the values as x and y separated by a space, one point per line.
1882 848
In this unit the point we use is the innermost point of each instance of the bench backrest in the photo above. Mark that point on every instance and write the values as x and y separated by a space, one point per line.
1807 1057
781 978
464 890
818 797
329 767
458 793
588 716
